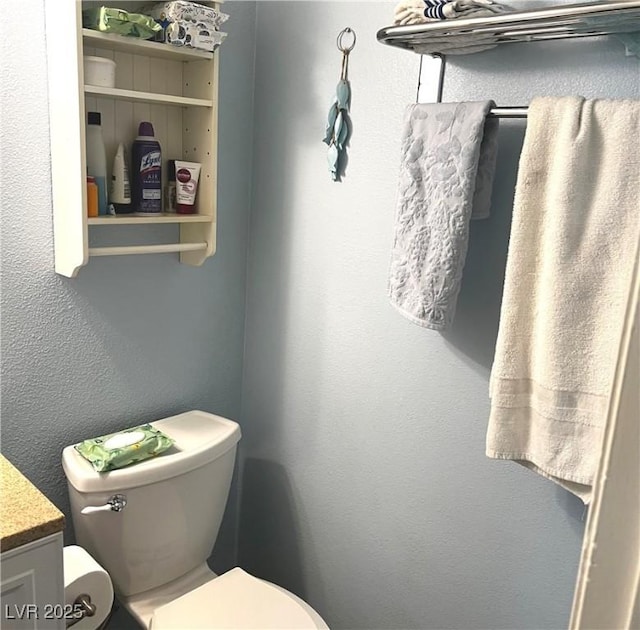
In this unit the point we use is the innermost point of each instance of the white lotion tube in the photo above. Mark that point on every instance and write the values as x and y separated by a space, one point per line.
187 175
120 187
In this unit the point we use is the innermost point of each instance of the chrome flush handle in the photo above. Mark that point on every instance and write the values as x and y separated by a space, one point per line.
116 503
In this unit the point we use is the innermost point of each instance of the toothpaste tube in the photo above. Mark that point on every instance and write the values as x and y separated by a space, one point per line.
187 175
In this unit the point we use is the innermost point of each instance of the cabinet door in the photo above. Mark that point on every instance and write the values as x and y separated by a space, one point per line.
32 587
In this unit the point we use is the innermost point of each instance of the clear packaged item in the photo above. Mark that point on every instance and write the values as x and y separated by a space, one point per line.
181 10
194 35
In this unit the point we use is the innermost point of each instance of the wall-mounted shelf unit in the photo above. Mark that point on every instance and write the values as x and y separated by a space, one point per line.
175 88
549 23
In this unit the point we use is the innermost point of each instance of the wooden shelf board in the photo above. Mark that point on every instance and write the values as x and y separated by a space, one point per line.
146 97
128 219
138 46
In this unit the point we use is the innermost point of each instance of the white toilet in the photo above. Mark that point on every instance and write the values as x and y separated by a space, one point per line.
153 525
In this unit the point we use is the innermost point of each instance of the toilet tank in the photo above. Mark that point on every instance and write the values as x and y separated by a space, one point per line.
175 503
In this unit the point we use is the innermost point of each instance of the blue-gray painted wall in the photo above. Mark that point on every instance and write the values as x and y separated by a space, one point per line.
365 485
132 338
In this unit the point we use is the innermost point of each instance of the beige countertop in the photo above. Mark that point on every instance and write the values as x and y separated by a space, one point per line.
25 513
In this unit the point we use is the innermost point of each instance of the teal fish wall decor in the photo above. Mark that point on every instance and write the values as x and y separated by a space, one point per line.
338 128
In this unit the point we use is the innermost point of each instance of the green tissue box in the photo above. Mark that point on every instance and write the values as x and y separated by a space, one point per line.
124 448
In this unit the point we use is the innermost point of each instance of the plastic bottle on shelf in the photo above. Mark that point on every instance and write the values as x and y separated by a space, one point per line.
170 189
120 193
92 197
146 172
97 159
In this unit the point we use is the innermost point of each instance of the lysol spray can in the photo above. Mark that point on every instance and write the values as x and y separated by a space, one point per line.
146 172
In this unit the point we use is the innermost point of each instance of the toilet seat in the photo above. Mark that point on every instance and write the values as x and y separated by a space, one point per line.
236 601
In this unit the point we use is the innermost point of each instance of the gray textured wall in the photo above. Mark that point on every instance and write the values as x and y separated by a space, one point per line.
365 485
132 338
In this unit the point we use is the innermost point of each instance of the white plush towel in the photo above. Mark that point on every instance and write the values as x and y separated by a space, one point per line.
576 225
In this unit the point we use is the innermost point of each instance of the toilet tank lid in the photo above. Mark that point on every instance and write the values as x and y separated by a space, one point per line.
199 438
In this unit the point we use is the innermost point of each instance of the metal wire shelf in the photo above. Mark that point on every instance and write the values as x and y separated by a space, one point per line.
548 23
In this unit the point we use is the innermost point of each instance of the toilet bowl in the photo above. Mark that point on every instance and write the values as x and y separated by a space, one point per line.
153 525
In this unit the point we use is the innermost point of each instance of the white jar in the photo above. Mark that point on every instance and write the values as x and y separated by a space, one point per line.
99 71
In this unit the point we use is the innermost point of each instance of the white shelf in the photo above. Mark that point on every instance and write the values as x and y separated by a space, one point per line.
134 96
174 88
142 47
136 220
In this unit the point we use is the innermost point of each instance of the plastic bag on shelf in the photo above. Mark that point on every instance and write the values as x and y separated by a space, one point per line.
110 20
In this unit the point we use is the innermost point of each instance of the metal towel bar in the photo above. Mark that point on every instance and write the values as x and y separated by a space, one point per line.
509 112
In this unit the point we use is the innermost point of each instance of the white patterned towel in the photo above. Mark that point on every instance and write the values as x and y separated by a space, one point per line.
446 174
409 12
574 236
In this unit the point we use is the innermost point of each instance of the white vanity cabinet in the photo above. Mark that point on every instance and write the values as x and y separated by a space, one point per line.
175 88
32 586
